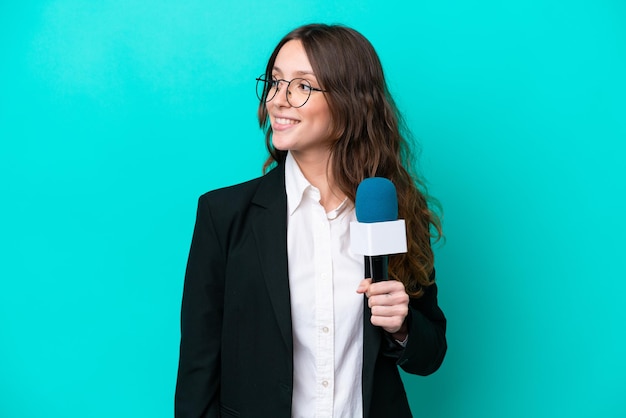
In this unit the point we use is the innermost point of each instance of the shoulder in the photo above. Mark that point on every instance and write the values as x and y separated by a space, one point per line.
241 191
240 196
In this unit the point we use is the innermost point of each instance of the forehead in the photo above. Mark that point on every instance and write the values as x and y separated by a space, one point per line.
292 59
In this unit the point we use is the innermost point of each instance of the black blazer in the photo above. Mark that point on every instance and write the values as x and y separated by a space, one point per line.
236 341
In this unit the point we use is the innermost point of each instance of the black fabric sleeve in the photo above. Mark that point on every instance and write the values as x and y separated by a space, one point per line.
198 383
426 346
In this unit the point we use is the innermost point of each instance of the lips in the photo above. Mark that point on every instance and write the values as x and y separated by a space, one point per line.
283 124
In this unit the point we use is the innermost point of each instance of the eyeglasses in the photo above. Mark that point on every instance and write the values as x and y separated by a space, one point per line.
298 90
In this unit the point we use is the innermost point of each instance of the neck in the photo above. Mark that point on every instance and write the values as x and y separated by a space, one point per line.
316 169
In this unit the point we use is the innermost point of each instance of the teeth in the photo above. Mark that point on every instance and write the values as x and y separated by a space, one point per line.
284 121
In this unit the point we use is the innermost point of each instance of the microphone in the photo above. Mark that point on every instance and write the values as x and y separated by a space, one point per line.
378 232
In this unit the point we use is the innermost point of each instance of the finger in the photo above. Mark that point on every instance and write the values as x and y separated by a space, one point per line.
389 324
364 286
400 311
388 286
389 299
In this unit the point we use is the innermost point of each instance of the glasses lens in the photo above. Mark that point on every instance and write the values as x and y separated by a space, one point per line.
264 90
299 92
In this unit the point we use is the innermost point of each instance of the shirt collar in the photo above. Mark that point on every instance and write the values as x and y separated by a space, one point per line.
334 214
295 184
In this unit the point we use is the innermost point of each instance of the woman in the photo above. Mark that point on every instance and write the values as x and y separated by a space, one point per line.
274 321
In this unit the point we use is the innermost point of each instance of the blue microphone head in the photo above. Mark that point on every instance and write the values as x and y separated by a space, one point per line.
376 201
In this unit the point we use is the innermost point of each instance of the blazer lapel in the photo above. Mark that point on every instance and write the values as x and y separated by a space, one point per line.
270 232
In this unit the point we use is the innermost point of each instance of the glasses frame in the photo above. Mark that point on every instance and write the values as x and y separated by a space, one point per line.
266 98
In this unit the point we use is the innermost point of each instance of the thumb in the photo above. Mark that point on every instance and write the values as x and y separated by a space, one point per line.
364 285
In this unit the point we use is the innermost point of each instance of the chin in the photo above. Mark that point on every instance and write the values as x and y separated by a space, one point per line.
281 145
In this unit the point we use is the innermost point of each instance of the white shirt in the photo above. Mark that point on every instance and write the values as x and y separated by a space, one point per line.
327 313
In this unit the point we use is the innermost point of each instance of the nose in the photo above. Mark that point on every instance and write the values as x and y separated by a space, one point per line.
281 98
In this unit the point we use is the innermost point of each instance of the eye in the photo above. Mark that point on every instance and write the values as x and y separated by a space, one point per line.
274 83
304 86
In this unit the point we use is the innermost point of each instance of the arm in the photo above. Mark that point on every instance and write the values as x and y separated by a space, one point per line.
198 384
426 346
400 316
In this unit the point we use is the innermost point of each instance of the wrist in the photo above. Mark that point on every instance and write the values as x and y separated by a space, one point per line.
402 334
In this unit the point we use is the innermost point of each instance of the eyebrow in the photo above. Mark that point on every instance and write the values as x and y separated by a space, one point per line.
297 72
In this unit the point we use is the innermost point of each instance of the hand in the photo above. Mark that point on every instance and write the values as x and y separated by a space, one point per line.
389 303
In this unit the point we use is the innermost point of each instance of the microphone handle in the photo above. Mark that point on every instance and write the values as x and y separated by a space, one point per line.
376 267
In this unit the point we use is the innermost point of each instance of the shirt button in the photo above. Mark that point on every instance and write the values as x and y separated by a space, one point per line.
325 383
325 329
324 275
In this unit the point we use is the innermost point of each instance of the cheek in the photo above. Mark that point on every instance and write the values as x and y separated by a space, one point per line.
321 113
336 125
325 118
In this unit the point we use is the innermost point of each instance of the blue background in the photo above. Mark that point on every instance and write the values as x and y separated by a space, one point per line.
116 115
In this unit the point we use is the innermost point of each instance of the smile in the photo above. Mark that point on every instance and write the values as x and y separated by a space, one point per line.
285 121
